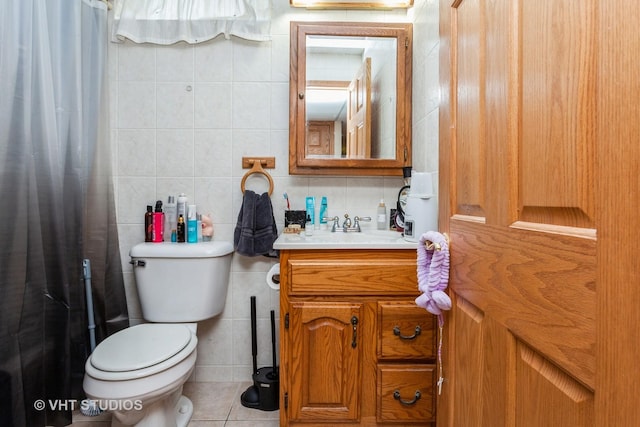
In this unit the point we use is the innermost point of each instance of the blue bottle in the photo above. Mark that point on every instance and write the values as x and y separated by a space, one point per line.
192 225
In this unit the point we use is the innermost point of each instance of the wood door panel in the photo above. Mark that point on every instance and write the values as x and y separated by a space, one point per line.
469 152
558 84
485 362
539 286
466 366
359 113
547 396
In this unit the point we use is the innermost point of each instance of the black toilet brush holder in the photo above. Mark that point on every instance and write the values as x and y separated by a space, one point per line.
264 394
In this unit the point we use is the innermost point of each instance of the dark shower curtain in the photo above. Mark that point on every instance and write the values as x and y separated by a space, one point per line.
57 206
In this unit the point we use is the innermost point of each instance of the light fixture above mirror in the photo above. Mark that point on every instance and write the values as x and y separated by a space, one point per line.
352 4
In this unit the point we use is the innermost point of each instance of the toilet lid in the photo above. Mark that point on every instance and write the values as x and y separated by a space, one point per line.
140 347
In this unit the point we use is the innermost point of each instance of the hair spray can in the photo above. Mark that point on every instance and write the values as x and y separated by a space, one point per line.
181 231
170 218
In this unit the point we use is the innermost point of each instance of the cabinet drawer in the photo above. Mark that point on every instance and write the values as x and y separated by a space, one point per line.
406 331
406 393
352 277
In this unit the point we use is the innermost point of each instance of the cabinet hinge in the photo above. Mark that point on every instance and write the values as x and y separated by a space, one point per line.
406 42
286 400
286 321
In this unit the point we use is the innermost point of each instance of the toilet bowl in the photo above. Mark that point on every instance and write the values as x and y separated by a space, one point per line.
134 369
138 373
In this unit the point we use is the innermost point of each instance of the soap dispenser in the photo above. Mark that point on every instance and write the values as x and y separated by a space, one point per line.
381 217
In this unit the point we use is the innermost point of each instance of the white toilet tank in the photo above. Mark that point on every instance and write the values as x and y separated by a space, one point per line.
181 282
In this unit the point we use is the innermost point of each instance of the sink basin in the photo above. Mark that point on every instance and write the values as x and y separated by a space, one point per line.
366 239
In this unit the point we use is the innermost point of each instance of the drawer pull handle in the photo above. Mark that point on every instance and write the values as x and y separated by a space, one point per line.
396 396
396 332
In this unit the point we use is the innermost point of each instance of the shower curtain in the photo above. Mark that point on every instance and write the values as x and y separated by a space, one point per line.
56 205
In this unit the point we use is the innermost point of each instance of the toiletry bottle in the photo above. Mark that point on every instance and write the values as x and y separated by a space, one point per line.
382 216
323 213
311 210
199 227
170 218
158 223
181 207
148 224
181 229
308 227
192 225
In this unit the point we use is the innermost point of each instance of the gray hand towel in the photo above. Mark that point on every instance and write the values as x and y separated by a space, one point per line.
256 229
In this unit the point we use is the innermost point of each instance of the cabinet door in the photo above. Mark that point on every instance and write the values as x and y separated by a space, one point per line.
326 361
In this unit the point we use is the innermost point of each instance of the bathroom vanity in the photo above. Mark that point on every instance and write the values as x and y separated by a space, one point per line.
354 347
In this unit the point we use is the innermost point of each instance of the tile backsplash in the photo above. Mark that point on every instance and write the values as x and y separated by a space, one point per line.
182 118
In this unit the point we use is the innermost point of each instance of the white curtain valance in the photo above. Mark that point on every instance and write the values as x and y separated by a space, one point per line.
194 21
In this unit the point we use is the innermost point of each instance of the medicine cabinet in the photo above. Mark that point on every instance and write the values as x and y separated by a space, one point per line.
350 98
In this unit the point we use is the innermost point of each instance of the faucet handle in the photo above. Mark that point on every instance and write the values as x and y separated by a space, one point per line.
335 220
357 219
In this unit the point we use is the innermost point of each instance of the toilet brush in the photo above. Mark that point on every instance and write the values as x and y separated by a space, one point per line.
89 407
251 396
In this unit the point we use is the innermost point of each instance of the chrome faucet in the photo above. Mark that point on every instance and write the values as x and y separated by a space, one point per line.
347 224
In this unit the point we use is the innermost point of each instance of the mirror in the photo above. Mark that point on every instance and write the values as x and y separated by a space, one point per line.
350 98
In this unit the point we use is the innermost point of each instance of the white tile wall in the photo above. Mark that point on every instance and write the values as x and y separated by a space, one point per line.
183 116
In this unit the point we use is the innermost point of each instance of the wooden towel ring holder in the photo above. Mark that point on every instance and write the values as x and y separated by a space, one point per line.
256 167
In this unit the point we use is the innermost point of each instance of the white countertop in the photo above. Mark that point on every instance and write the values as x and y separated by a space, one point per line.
367 239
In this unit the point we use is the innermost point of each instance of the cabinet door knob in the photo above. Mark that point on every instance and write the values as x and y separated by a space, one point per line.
396 332
396 396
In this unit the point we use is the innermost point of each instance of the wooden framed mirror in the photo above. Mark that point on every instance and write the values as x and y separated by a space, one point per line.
350 98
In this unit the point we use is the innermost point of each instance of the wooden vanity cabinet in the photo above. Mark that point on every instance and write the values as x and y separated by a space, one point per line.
355 350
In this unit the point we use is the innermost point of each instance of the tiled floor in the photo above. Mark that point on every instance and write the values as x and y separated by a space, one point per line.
215 405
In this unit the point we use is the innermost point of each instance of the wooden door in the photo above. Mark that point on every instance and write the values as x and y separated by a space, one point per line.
539 167
359 113
326 361
320 138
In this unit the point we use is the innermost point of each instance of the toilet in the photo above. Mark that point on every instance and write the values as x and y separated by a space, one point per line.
137 374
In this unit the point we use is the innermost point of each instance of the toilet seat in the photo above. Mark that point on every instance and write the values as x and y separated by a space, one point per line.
140 351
